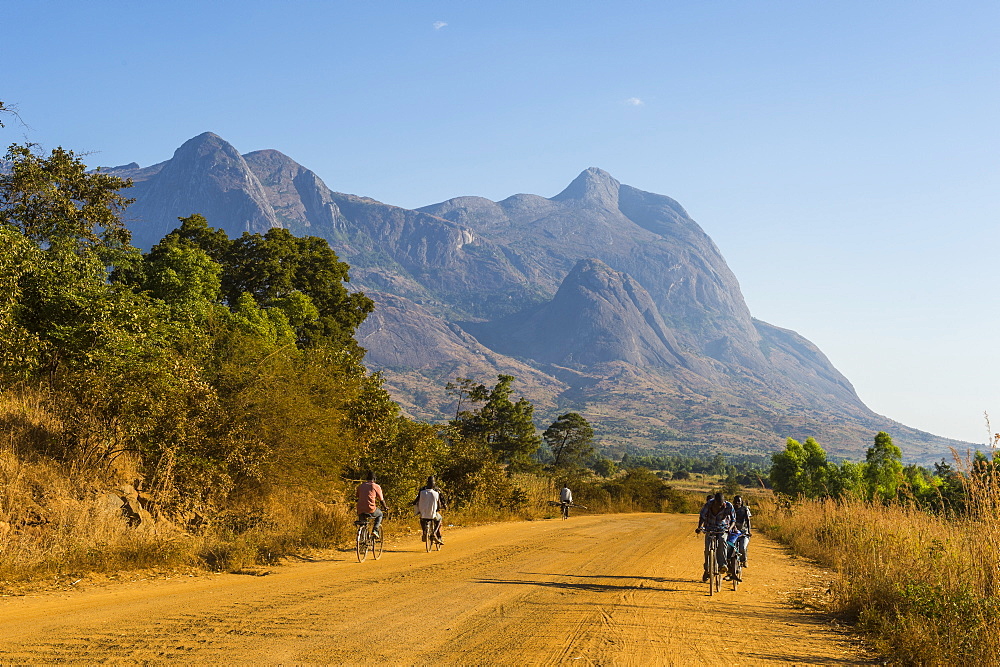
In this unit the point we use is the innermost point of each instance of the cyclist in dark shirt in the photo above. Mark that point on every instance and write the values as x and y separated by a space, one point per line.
717 515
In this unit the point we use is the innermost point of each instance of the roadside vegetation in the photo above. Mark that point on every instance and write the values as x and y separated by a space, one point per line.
914 549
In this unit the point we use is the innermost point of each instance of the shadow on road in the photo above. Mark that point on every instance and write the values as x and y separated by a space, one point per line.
659 580
576 586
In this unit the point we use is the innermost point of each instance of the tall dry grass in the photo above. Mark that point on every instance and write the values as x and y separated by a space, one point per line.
924 588
59 520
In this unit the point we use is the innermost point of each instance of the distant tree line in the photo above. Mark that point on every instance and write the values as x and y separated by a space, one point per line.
802 470
742 469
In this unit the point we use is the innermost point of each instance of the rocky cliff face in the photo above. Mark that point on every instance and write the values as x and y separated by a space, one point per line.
206 175
661 248
420 352
300 200
583 325
603 299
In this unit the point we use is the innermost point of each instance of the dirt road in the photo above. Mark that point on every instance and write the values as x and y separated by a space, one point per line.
616 589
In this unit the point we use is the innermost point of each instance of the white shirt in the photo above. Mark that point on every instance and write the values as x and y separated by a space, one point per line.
427 503
566 495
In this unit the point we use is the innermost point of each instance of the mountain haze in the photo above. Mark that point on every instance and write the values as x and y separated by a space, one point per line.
603 299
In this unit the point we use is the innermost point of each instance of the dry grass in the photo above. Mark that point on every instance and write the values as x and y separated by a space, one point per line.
60 522
924 588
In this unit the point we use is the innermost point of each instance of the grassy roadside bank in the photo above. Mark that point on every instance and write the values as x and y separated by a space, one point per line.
923 589
60 525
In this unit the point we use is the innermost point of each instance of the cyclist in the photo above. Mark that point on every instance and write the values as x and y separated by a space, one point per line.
742 523
717 515
428 501
565 500
369 493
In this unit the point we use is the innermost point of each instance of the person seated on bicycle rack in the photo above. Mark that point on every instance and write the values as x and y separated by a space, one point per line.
742 523
429 501
733 537
369 498
716 516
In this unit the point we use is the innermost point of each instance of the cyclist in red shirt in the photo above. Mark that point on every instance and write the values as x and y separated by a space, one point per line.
369 498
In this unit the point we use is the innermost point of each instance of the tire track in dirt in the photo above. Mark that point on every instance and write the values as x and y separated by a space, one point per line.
610 589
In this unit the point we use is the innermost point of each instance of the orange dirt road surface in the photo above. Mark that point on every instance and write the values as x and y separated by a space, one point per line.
600 590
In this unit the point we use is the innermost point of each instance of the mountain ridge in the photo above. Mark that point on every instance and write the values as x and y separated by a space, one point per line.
660 344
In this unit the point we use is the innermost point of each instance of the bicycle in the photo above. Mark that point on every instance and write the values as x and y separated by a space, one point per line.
712 538
735 569
367 540
735 562
564 507
429 534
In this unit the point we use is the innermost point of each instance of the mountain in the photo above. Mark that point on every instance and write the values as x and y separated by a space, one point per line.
603 299
206 175
421 352
583 324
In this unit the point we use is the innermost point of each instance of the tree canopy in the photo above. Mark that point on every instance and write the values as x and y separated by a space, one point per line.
571 441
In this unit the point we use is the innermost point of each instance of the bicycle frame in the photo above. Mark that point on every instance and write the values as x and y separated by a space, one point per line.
429 529
713 540
366 540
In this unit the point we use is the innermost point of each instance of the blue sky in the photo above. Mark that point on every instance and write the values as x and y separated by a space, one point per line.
845 156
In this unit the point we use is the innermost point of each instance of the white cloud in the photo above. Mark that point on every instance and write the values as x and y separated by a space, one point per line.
634 102
439 24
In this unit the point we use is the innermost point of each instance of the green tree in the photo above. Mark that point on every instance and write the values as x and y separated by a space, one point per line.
465 390
847 479
506 427
787 470
571 441
184 276
54 200
277 265
814 469
883 472
953 494
604 466
301 275
19 348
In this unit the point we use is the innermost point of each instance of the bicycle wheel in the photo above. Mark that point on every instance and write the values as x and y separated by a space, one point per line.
565 511
735 571
378 541
712 567
362 543
717 579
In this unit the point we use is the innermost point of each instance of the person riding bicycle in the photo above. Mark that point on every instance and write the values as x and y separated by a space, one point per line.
429 501
717 515
565 500
369 493
742 524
